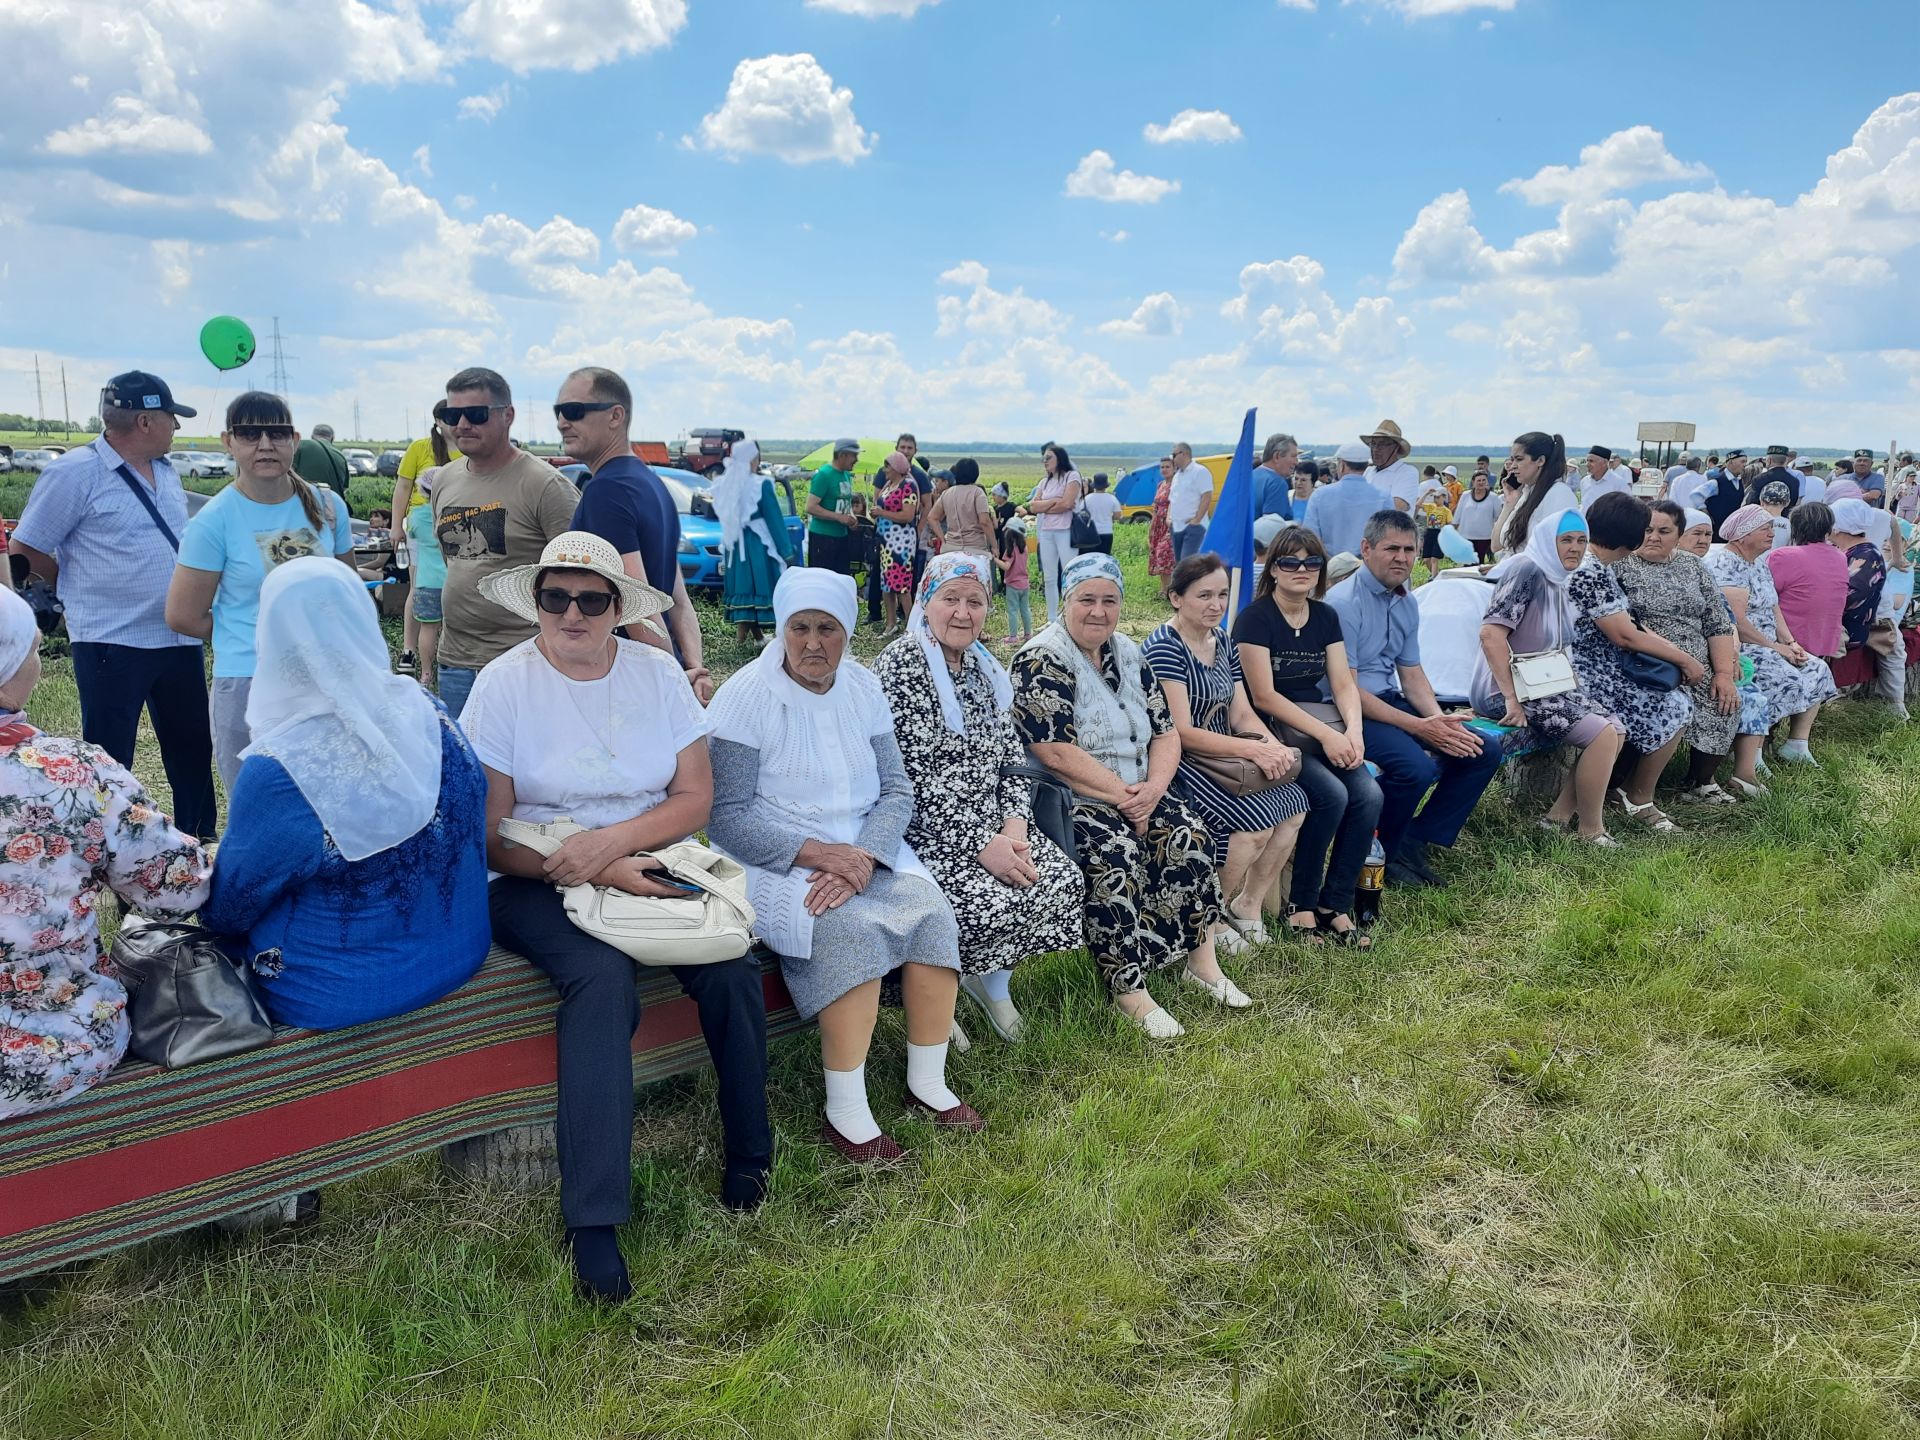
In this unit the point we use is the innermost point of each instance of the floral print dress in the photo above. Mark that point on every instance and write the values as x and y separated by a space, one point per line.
1786 689
898 538
1651 717
1677 600
960 801
74 822
1151 898
1160 533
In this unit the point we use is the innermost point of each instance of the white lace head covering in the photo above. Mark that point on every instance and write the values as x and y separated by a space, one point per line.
19 635
944 569
361 743
735 491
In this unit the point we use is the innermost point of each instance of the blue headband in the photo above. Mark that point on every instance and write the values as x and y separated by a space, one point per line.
1571 523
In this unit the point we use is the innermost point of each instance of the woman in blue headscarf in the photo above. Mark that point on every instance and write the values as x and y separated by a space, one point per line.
1014 892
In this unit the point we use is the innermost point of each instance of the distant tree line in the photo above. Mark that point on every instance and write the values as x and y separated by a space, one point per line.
45 427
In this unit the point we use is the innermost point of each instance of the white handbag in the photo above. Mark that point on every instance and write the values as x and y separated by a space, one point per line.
714 925
1543 673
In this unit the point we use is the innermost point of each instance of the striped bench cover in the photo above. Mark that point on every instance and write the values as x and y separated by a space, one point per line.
148 1151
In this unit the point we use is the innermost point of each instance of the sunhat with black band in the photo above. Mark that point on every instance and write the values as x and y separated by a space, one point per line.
576 550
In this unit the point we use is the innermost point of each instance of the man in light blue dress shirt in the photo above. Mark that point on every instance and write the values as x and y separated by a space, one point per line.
102 525
1338 513
1416 747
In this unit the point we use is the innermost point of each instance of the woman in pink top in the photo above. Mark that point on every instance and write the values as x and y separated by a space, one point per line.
1052 501
1811 578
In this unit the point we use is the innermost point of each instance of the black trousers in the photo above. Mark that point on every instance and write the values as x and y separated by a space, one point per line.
599 1011
116 682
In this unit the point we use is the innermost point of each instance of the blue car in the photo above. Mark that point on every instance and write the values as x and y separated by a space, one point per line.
699 529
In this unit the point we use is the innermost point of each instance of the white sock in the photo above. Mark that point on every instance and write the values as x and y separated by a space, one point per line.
847 1108
998 984
927 1075
1795 747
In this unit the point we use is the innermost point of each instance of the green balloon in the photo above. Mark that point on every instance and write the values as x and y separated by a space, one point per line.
227 341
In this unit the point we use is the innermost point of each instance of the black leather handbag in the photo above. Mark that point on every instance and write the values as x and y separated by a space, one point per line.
1052 805
1649 670
1084 535
188 1001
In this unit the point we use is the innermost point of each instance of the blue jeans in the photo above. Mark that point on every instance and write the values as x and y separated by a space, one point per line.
455 686
1187 542
1020 611
1408 770
1344 811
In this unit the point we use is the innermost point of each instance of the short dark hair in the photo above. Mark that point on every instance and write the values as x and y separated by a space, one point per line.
478 377
1381 521
1618 520
907 435
258 407
1192 570
1294 540
1810 522
1672 510
603 384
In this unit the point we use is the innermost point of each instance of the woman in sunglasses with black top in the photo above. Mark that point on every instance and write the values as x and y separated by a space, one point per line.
1294 656
266 517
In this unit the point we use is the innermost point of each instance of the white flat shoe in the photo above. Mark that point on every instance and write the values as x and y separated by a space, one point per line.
1602 841
1752 792
1648 814
957 1039
1001 1015
1709 794
1253 931
1229 941
1158 1024
1795 757
1223 990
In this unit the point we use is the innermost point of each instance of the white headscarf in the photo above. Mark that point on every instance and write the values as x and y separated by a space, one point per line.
19 635
763 695
956 565
736 502
361 743
811 589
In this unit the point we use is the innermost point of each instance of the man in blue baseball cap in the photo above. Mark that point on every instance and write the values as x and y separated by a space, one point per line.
103 524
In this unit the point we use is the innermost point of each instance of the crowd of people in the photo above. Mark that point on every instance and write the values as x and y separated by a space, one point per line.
912 831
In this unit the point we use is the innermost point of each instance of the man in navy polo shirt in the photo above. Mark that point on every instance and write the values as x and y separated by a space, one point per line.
627 505
102 525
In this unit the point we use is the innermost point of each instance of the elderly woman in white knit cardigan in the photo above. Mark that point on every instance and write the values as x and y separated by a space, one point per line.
809 794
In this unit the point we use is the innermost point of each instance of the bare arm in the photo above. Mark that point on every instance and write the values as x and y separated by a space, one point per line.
38 561
686 635
1497 645
402 503
190 601
1083 774
1619 627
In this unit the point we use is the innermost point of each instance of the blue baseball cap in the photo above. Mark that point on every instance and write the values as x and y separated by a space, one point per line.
137 390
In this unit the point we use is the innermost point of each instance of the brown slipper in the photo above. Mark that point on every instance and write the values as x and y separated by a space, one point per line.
881 1150
961 1117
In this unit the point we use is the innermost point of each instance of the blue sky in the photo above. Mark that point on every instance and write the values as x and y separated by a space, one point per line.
987 220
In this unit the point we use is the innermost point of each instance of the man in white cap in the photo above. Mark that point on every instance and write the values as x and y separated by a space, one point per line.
1387 450
1338 513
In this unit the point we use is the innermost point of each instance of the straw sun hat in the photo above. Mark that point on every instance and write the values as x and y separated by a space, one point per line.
575 550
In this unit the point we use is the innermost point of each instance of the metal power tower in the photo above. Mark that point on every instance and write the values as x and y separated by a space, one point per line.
278 379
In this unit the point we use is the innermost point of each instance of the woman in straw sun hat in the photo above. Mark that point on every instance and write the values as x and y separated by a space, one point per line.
580 724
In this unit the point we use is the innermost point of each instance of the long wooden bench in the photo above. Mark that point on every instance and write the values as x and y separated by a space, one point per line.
148 1152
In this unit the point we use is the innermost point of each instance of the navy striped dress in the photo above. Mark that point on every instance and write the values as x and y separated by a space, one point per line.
1210 699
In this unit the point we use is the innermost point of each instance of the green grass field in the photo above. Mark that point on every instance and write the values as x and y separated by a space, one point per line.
1593 1145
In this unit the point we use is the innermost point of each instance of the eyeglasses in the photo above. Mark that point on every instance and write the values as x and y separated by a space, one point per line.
1298 562
574 411
473 414
555 602
258 434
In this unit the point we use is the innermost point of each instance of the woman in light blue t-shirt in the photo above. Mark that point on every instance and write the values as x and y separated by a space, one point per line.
266 517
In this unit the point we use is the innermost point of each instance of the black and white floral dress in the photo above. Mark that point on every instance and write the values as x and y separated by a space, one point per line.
960 801
1651 717
1151 898
1677 600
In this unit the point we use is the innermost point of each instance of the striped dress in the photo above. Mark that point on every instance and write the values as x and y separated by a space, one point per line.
1210 698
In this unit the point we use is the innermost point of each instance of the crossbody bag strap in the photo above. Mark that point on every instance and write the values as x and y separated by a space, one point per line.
140 493
526 832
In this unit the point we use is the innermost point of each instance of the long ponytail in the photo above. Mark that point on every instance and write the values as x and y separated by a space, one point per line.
1551 451
317 512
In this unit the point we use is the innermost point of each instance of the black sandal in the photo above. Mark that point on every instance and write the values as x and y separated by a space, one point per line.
1354 937
1308 934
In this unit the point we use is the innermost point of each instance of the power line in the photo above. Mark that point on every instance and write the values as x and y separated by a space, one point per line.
279 377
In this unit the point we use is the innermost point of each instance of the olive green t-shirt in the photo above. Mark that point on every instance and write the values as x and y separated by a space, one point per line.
834 490
486 523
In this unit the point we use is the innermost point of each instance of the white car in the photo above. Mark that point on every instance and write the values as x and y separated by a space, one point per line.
359 462
203 464
34 460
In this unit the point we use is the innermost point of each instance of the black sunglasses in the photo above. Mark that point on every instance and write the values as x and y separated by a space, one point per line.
574 411
254 434
473 414
555 602
1298 562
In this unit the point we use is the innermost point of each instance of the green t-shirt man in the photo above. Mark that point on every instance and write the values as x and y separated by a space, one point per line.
834 491
318 463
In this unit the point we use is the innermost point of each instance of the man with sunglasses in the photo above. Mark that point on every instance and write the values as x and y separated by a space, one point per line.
493 508
629 506
103 522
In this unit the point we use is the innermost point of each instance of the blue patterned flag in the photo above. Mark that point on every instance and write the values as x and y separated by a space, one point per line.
1230 531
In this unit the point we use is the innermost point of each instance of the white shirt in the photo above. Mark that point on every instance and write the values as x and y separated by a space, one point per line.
1399 481
597 751
1812 487
1683 488
1592 489
1102 506
1474 518
1191 485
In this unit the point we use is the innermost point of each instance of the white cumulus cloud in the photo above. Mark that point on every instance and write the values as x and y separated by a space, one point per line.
985 311
1158 314
1095 178
528 35
485 106
786 106
423 160
659 232
130 126
1212 126
1625 160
